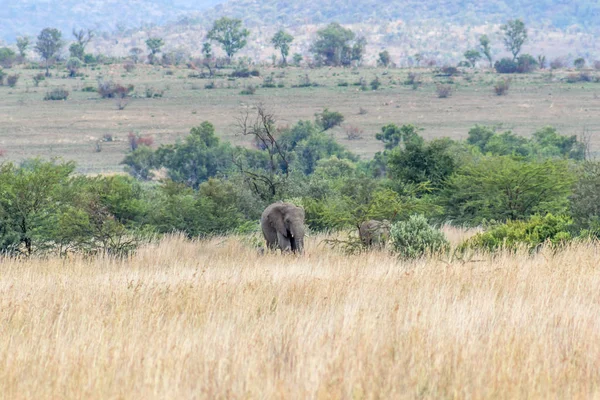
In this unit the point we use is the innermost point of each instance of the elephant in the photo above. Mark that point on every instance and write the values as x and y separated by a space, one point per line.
283 227
374 232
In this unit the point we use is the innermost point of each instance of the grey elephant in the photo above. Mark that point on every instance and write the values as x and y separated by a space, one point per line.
283 227
374 232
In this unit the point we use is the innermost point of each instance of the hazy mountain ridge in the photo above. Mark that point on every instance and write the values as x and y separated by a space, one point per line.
20 17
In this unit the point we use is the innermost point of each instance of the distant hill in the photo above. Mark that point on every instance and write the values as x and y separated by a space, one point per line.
557 13
18 17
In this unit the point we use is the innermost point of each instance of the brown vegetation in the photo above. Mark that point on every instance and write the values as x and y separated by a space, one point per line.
216 320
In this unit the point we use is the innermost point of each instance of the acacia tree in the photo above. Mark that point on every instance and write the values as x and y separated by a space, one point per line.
515 35
154 44
486 50
230 34
281 41
49 43
23 44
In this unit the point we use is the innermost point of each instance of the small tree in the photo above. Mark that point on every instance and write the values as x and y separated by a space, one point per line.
154 45
281 41
472 56
384 58
135 53
579 63
23 43
486 50
336 45
329 119
7 57
230 34
49 43
76 51
73 66
515 35
297 58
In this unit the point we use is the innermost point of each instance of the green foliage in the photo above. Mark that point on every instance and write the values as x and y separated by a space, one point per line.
200 156
384 58
49 43
505 188
329 119
415 238
472 56
7 57
585 199
506 66
73 66
28 195
297 58
76 50
23 43
392 136
486 50
515 35
530 234
230 34
57 94
336 45
420 162
281 41
526 63
579 63
154 44
140 163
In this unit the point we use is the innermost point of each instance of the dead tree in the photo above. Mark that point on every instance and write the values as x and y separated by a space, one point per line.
259 123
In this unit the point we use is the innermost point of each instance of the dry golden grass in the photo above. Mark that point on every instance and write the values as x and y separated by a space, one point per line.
216 320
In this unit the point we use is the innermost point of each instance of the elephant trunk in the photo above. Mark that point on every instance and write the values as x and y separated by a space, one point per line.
297 232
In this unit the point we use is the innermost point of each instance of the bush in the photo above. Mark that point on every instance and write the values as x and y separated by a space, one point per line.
152 93
579 63
526 63
244 73
12 80
558 63
532 233
111 90
57 94
249 90
73 65
449 70
443 91
415 238
129 66
506 66
375 83
354 133
501 87
37 78
329 119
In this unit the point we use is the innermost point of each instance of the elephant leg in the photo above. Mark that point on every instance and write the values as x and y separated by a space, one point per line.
284 243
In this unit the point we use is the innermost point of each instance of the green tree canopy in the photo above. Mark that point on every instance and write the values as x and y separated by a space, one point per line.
48 45
230 34
515 35
281 41
336 45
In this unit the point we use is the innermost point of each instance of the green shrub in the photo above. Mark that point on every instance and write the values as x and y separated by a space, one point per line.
375 83
506 66
415 238
57 94
329 119
249 90
530 234
12 80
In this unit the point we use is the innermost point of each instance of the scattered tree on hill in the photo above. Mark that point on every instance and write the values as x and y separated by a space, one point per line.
472 56
23 44
579 63
135 53
7 57
281 41
515 35
73 66
486 50
82 38
336 45
48 45
230 34
154 45
384 58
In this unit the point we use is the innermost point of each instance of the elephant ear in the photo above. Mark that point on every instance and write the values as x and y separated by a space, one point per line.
277 222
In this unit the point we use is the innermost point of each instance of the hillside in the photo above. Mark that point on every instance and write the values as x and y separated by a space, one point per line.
28 17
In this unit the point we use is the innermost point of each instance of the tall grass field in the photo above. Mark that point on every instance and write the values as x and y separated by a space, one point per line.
216 320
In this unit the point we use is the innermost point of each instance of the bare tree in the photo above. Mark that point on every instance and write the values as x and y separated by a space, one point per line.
260 123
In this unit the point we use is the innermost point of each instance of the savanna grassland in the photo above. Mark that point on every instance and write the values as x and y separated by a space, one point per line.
30 126
214 319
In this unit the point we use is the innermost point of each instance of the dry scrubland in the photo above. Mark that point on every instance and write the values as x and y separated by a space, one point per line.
30 126
216 320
